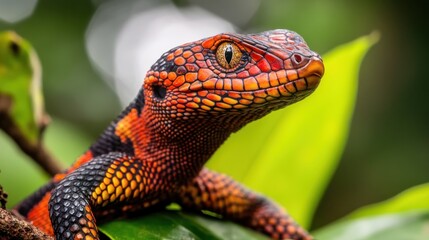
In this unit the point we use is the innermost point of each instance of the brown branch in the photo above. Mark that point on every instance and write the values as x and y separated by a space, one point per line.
37 152
13 228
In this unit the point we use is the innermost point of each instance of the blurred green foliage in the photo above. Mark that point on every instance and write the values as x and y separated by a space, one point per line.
20 79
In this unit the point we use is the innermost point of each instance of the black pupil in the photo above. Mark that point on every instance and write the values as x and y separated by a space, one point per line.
228 54
159 91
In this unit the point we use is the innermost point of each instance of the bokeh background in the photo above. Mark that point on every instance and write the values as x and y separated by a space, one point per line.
94 53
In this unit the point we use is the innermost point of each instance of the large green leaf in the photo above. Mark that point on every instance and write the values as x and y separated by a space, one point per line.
290 154
399 226
176 225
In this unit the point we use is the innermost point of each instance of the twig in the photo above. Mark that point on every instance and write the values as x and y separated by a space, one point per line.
13 228
35 151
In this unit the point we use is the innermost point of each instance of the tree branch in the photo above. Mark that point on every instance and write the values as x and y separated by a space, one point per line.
37 152
13 228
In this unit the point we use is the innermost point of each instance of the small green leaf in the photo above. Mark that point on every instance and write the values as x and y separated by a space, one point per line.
415 198
176 225
400 226
291 154
20 78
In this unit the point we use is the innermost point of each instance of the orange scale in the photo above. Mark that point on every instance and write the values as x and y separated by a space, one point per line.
283 91
230 101
187 54
208 102
288 64
264 65
248 96
201 64
240 106
272 76
168 83
234 95
282 76
273 92
255 56
179 81
179 61
199 57
204 74
209 84
227 85
237 84
214 97
163 74
250 83
184 87
197 48
259 100
260 94
254 70
208 43
263 80
191 77
191 59
290 87
202 93
196 86
191 67
275 62
243 74
182 101
178 52
170 57
301 84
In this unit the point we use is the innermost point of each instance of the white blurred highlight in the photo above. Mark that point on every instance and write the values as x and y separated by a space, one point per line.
13 11
124 40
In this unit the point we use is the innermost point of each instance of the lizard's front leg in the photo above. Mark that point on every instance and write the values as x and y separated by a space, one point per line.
108 184
220 194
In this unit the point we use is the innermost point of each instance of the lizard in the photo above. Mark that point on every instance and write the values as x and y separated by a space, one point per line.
191 100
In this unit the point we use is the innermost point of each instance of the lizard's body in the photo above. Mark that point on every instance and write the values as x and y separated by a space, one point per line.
191 100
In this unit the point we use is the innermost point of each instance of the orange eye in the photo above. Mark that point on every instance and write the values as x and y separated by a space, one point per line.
228 55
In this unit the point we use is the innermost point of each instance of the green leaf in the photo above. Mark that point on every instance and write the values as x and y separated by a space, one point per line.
20 78
290 155
405 216
176 225
400 226
415 198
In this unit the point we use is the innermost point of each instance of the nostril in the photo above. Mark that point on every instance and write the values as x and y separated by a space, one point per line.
297 58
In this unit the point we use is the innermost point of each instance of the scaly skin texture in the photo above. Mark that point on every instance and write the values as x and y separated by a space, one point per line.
191 100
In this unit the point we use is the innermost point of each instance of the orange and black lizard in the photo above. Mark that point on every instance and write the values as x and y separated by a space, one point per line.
191 100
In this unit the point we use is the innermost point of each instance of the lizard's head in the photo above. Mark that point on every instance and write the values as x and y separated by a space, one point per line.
233 73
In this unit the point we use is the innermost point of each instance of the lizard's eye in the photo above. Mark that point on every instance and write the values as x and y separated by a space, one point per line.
228 55
159 91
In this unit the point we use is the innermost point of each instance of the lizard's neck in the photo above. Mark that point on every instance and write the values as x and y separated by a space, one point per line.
184 146
181 147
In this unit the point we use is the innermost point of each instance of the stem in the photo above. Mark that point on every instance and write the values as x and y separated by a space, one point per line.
37 152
